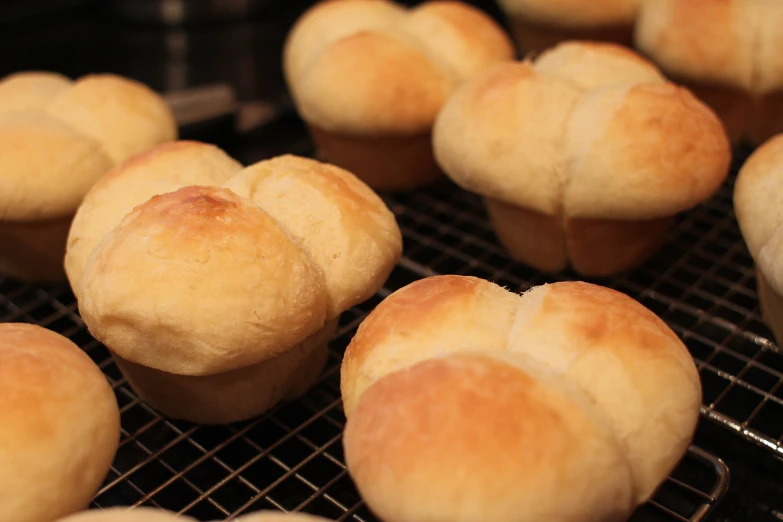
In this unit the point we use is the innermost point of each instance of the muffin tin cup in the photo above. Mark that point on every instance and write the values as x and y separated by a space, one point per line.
235 395
592 247
387 163
33 251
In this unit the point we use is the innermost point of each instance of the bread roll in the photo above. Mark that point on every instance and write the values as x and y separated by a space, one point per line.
218 302
60 425
31 91
758 205
538 25
571 402
57 138
727 52
583 156
369 77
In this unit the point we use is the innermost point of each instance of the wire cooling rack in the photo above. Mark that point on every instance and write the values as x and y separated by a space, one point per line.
701 283
288 460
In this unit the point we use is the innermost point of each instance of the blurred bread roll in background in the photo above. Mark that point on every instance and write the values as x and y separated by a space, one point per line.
57 138
31 90
60 425
758 206
727 52
369 76
538 25
217 287
584 156
569 403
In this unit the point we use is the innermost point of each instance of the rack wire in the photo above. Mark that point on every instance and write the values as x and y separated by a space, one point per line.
290 459
701 283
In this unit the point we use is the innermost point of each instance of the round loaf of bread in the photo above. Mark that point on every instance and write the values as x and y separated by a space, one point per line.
569 403
584 156
727 52
60 425
119 514
218 301
369 77
57 138
758 204
538 25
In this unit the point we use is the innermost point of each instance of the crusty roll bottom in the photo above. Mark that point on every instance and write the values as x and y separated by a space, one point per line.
748 118
33 251
235 395
388 163
532 36
592 247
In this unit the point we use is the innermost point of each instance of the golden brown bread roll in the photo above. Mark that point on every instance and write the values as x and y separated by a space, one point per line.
369 77
583 157
217 288
727 52
60 425
210 251
758 201
57 138
538 25
571 402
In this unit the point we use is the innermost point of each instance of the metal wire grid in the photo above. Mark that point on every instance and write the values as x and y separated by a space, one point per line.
701 283
290 459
